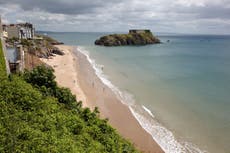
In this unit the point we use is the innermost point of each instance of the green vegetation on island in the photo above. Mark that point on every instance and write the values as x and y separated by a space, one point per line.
134 37
39 116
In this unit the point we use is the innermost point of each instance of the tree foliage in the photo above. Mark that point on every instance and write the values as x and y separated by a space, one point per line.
41 76
38 116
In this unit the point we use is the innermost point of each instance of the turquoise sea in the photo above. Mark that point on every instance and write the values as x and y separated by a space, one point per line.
183 84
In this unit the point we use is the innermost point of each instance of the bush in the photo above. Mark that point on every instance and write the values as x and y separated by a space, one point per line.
65 96
41 76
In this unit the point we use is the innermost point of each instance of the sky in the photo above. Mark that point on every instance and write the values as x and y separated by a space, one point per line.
170 16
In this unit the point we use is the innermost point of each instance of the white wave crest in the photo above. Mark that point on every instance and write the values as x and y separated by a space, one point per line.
147 110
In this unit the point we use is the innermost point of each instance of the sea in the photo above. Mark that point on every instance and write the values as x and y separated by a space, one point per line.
182 84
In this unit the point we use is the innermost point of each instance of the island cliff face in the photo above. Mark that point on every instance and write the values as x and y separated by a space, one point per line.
134 37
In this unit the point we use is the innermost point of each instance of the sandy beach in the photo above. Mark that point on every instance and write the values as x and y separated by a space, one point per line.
66 72
74 71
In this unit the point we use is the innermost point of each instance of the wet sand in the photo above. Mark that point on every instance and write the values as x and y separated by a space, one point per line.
94 93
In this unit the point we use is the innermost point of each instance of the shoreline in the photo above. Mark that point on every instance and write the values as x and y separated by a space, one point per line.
90 89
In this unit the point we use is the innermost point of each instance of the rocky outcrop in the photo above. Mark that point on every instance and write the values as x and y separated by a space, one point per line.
132 38
57 51
57 43
47 52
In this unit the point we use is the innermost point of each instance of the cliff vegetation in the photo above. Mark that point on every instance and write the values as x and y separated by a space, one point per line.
2 63
39 116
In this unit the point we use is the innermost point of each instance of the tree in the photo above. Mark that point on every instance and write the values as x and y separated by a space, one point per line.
41 76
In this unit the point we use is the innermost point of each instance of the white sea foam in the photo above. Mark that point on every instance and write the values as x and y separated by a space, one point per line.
147 110
144 116
125 97
162 135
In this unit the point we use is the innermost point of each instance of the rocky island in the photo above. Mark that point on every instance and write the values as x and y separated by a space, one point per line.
134 37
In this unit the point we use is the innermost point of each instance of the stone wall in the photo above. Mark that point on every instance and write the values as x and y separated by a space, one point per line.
13 31
20 58
139 31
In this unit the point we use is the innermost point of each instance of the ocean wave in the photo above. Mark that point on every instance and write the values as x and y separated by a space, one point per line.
125 97
161 134
149 111
144 116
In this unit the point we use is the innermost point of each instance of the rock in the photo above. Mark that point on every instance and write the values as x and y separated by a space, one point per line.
57 43
134 37
57 51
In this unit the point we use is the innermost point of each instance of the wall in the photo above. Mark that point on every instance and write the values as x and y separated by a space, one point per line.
12 31
21 57
0 26
139 31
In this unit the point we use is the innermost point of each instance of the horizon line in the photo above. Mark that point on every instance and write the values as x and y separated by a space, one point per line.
170 33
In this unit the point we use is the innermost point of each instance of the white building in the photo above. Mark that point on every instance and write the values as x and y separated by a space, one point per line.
20 31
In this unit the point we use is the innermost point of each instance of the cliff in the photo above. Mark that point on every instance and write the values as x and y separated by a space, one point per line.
142 37
40 47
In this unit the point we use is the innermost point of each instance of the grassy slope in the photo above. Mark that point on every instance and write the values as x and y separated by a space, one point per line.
2 63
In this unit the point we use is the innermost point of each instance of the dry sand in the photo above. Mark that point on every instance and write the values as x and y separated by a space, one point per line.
66 72
72 70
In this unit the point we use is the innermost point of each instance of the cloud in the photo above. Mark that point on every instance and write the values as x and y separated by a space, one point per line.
195 16
204 9
61 6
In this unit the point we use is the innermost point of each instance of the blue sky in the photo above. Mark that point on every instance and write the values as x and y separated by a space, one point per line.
174 16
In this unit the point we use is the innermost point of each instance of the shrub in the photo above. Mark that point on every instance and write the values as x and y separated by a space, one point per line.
41 76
